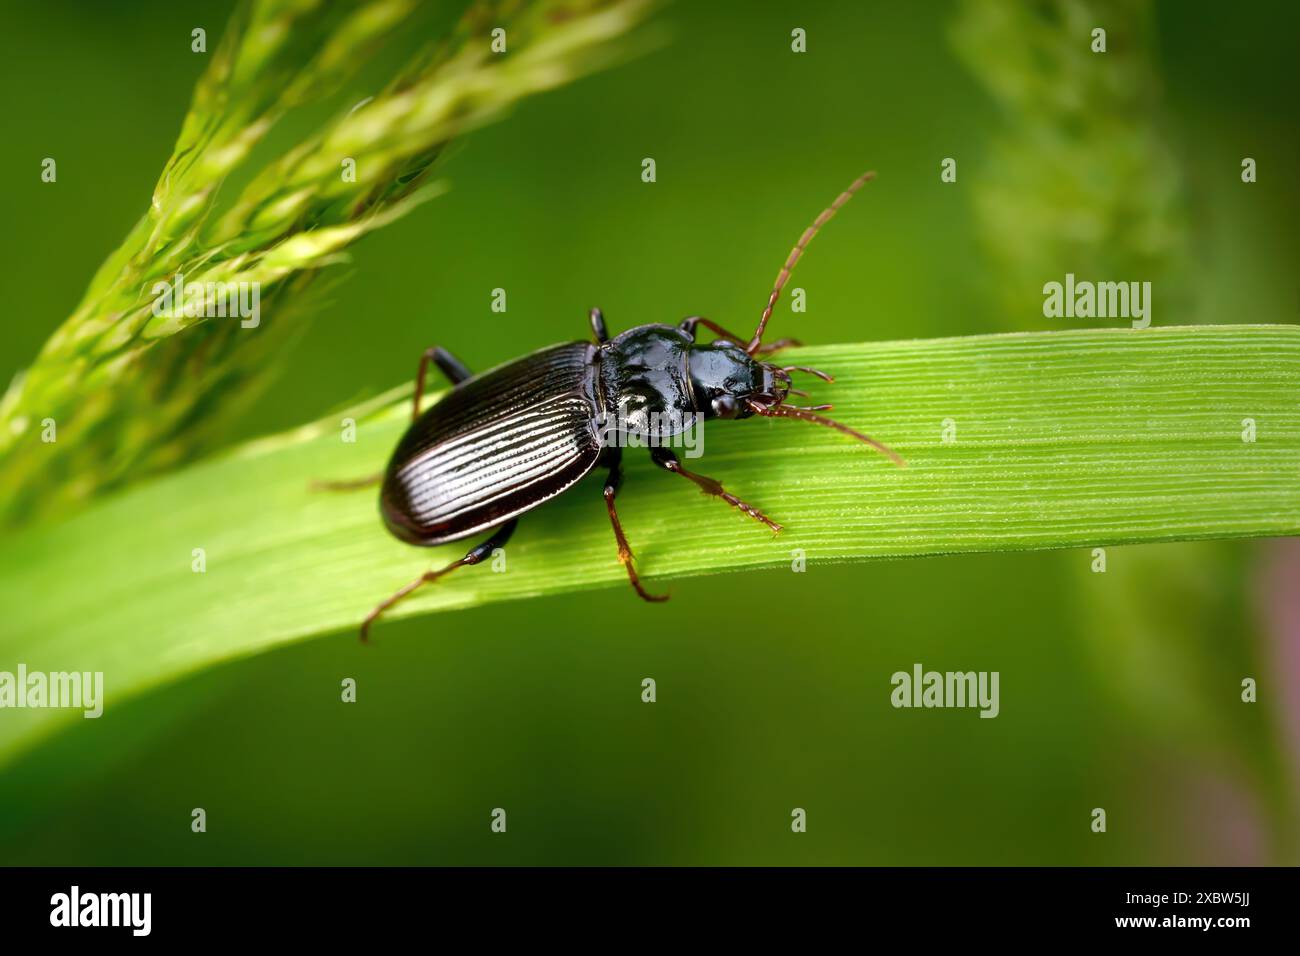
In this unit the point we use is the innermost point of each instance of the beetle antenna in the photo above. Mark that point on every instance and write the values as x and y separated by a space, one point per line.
783 276
790 411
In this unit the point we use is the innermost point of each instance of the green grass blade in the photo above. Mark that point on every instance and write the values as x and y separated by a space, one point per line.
1065 439
133 392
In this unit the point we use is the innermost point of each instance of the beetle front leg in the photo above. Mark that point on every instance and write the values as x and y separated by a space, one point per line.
665 458
475 555
612 482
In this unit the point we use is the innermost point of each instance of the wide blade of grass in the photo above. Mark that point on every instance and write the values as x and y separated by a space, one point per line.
1036 440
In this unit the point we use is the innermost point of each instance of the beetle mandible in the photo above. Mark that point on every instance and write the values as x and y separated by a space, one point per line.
503 442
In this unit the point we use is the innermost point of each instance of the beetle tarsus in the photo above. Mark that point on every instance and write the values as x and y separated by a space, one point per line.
665 458
397 596
475 555
612 483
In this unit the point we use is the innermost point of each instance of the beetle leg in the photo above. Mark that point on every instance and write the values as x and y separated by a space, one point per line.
665 458
447 363
688 325
776 346
598 326
475 555
456 373
612 483
348 484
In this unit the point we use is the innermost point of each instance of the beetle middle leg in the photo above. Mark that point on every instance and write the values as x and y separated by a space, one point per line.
598 326
689 324
666 459
475 555
614 457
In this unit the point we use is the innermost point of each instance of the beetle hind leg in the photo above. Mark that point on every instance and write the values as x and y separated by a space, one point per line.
475 555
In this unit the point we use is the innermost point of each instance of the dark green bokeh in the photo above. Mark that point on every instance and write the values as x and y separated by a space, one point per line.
773 687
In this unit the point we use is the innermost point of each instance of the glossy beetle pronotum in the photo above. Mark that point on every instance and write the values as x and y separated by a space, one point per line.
503 442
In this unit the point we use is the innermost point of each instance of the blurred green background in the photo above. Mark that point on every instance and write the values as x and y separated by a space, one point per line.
1118 690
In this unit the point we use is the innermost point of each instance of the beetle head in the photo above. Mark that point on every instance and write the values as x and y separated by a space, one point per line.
729 383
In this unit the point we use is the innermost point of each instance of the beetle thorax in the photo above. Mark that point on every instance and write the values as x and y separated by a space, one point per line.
645 384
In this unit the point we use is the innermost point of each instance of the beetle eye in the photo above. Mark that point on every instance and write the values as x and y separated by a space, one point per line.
724 406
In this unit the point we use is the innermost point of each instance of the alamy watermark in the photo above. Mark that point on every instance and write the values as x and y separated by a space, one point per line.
1102 300
209 300
638 428
75 908
922 688
83 690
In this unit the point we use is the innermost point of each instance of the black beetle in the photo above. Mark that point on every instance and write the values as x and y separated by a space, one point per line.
503 442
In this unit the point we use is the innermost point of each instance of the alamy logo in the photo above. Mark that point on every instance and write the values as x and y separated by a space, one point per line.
632 427
209 300
922 688
103 909
58 689
1103 300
